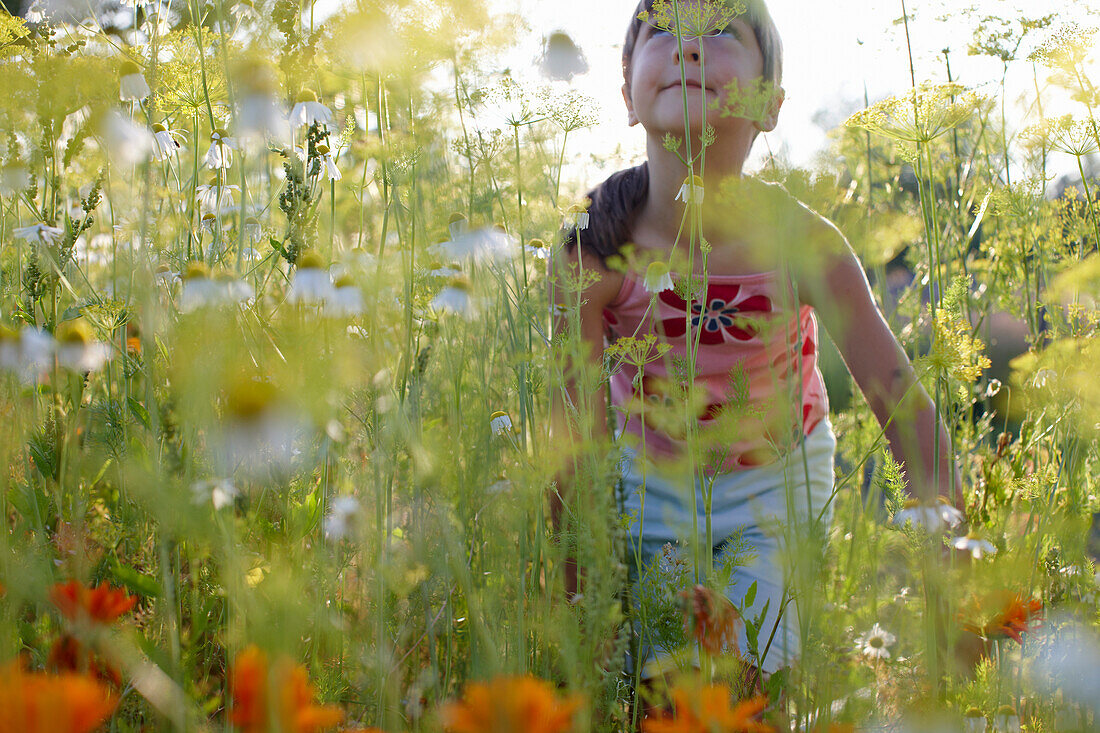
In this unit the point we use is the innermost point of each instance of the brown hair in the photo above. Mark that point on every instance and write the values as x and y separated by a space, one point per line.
615 203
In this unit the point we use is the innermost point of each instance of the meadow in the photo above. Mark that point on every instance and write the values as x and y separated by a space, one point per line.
278 357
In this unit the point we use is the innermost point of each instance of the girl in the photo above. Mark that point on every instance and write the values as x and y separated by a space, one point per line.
750 457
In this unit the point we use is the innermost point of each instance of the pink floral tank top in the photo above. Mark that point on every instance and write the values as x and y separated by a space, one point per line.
758 388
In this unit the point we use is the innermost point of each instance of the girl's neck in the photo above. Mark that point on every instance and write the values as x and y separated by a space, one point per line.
663 212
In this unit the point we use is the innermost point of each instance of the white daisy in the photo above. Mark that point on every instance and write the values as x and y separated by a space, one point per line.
14 177
538 249
346 300
577 216
975 545
132 86
500 423
77 348
260 434
337 521
220 154
165 141
308 110
165 275
455 298
329 163
40 232
875 642
215 198
311 282
491 244
1006 720
219 492
930 518
691 192
657 278
457 225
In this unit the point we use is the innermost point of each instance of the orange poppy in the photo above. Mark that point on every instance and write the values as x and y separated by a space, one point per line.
102 604
251 681
708 711
522 704
1011 617
49 703
711 620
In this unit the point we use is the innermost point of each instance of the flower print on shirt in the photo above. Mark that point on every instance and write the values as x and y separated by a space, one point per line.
726 314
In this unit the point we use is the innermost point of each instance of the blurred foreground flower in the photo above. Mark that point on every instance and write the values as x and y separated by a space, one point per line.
219 493
275 698
77 348
14 177
337 521
40 232
711 619
510 705
102 604
929 518
26 353
51 703
311 283
127 143
708 710
1001 614
974 721
1006 720
260 431
657 278
202 291
487 245
975 545
455 298
875 642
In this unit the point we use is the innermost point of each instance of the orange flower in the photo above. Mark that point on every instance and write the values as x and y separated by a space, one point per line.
708 711
252 680
711 619
48 703
102 604
510 705
1010 617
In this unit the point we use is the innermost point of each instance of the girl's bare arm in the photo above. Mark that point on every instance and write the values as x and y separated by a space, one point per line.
838 290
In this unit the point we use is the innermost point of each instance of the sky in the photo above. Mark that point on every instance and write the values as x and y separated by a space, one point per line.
833 50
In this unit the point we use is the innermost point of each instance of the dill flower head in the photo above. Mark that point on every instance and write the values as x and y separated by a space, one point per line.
1067 48
921 115
1066 135
697 17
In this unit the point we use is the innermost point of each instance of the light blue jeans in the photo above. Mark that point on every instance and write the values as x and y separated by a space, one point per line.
767 505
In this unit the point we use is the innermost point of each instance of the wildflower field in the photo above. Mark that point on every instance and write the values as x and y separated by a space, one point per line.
279 341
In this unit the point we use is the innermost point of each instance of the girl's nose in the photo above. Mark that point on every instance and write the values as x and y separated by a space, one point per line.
691 50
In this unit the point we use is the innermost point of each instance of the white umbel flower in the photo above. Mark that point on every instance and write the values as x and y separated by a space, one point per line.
975 545
875 642
933 518
132 86
220 154
40 232
308 110
691 192
657 278
165 142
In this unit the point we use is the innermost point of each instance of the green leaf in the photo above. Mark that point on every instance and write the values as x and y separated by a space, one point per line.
750 595
135 581
138 411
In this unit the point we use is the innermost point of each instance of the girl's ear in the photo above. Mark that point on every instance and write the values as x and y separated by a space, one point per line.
631 118
771 117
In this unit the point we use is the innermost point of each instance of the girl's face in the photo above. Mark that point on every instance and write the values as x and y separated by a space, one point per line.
654 95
